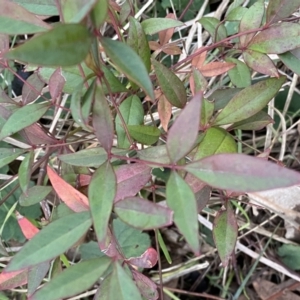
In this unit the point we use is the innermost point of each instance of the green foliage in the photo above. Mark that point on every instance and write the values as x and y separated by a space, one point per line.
137 140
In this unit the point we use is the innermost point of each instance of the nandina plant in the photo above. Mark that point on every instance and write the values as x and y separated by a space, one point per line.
120 113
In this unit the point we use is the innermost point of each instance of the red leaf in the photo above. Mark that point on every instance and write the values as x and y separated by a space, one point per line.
10 280
184 131
199 60
130 179
56 83
147 260
165 35
28 229
69 195
164 108
216 68
146 286
32 88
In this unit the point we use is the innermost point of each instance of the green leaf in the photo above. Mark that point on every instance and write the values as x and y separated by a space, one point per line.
251 20
137 41
128 62
170 84
90 250
14 20
143 214
213 26
157 154
275 39
242 173
118 286
74 11
7 155
73 280
240 75
249 101
102 120
132 241
92 157
36 275
53 240
199 81
64 45
221 97
181 199
236 14
22 118
25 170
132 112
34 195
183 133
99 13
292 60
290 256
143 134
104 180
155 25
260 63
38 7
225 232
216 140
207 111
256 122
280 9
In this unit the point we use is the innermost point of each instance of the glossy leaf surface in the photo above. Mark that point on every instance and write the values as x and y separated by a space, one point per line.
132 112
102 191
183 133
242 173
137 41
128 62
143 134
64 45
181 199
22 118
240 75
53 240
34 195
249 101
142 213
154 25
73 280
170 84
225 232
216 140
118 286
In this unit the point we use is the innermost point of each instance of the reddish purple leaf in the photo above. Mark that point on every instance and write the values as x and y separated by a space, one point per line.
4 43
32 88
130 179
260 63
280 9
146 286
147 260
242 173
10 280
143 214
35 134
56 83
183 133
102 120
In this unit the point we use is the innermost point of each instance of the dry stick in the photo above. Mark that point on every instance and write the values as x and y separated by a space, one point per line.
194 294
